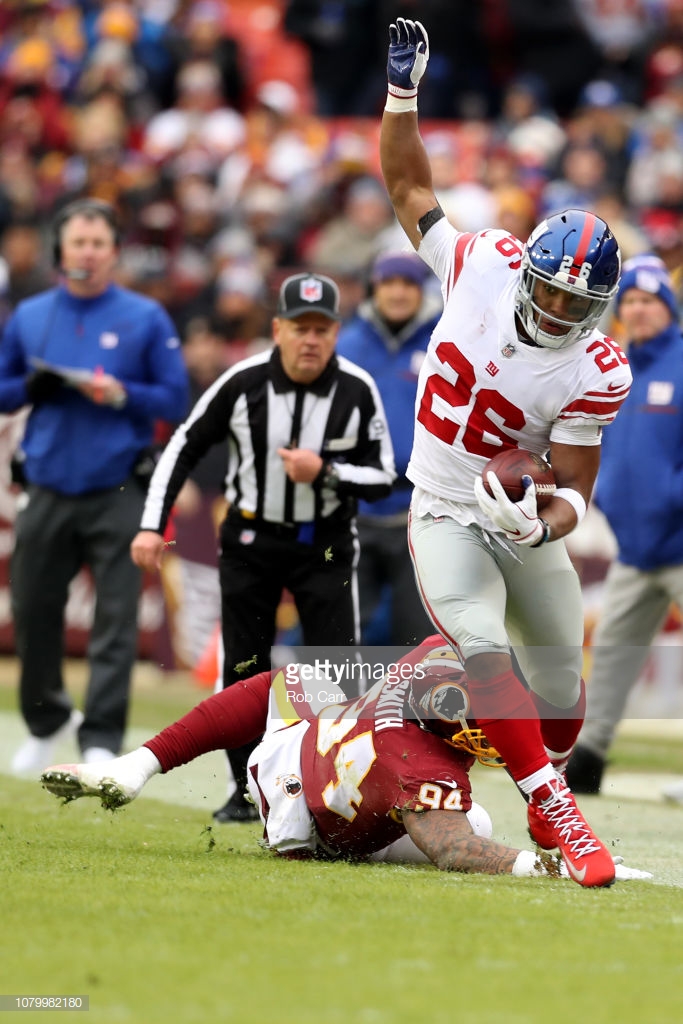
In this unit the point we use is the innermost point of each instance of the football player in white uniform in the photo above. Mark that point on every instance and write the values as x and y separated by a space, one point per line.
516 361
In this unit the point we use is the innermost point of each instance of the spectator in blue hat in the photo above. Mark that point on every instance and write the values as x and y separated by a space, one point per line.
603 118
388 337
640 491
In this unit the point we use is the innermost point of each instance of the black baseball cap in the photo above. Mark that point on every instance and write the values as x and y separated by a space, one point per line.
308 293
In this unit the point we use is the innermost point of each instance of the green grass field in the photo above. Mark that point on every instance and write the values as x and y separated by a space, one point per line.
158 917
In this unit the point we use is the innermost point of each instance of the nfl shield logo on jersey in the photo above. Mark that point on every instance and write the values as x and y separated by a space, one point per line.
311 290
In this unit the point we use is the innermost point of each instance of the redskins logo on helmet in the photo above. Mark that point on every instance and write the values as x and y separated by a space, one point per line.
439 698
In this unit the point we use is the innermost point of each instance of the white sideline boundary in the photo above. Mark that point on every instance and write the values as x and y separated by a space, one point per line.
202 784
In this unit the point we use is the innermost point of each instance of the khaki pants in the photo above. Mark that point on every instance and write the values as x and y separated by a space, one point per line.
634 610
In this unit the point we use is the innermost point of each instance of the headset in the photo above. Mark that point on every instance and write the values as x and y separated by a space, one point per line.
88 208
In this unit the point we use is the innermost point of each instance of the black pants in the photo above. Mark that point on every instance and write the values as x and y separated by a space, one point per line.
255 565
385 559
56 535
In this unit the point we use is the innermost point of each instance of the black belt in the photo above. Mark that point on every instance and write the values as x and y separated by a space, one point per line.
301 532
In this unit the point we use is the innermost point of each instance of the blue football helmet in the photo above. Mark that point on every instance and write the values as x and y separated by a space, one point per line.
576 252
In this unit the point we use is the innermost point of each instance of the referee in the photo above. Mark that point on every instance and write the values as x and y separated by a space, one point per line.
307 436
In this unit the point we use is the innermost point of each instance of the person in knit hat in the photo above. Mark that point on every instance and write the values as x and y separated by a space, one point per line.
388 337
648 273
640 491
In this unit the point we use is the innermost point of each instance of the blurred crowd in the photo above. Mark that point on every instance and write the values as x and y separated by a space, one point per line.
237 138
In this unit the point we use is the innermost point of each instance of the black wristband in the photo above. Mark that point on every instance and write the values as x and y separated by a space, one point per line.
545 536
429 219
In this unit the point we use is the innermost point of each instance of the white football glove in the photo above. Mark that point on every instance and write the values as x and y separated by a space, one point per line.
540 863
621 872
518 520
624 874
408 56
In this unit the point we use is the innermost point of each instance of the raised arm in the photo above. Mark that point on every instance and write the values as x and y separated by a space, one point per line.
405 164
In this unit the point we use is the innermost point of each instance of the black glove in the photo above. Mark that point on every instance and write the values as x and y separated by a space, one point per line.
42 385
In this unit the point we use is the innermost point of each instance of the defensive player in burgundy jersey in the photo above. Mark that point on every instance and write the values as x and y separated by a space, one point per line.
516 361
389 766
337 778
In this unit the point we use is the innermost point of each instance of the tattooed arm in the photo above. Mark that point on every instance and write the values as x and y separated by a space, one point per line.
447 839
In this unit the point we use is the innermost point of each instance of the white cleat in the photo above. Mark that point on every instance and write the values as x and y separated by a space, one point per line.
674 793
70 781
115 781
37 753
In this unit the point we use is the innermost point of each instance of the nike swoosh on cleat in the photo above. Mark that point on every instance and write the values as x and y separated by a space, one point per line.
579 876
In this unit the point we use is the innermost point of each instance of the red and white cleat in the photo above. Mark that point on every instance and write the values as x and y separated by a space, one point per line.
556 821
542 832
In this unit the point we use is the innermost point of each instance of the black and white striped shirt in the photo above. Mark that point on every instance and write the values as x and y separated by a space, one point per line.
258 409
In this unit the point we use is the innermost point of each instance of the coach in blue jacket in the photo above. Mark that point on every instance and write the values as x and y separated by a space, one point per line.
388 337
98 364
640 491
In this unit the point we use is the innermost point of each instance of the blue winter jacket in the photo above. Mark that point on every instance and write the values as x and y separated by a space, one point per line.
640 483
71 444
394 362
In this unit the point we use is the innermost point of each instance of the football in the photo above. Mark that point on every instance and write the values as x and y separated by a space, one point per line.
514 463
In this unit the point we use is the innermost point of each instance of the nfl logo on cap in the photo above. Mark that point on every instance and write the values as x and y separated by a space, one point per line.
311 290
308 293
